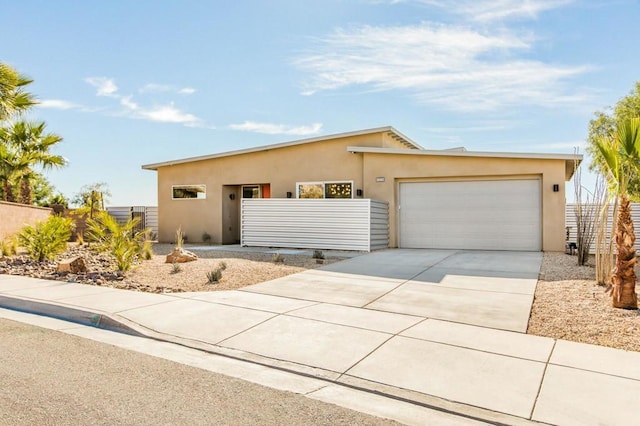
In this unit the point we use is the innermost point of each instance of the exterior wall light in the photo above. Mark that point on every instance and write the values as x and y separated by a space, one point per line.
359 192
556 187
289 194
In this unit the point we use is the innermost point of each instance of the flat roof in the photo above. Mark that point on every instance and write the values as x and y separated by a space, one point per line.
571 160
387 129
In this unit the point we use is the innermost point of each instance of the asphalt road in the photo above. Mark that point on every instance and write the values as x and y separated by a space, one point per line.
51 378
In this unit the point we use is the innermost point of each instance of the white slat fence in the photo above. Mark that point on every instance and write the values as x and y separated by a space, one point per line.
330 224
570 223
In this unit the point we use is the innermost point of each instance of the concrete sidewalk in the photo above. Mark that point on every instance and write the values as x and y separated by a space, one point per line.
384 322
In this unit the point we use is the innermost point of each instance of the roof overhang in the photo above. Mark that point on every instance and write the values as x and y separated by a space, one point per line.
392 132
572 161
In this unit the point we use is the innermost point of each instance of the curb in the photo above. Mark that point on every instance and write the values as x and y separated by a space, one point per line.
106 322
77 316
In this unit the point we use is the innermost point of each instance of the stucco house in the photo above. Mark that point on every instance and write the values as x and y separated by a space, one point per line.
430 198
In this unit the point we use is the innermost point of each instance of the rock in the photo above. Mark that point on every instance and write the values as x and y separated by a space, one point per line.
180 255
74 265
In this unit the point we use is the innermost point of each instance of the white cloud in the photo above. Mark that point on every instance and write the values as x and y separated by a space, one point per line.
169 114
127 102
277 129
57 104
493 10
455 67
159 88
105 86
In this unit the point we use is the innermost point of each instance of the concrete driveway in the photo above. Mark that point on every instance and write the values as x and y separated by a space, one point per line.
484 288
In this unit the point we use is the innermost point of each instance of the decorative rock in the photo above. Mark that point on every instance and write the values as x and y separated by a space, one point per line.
74 265
180 255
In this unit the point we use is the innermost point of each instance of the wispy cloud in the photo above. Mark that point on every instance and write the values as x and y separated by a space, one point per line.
493 10
169 114
277 129
159 88
455 67
104 86
164 113
58 104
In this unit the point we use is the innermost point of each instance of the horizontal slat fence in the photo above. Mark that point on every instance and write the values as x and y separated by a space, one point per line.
148 215
330 224
570 223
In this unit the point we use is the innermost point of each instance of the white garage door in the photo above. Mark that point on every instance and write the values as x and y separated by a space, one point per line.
483 215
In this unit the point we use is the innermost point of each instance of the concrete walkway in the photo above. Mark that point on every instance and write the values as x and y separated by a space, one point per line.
440 328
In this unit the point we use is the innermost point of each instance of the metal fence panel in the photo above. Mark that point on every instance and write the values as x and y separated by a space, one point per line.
338 224
570 223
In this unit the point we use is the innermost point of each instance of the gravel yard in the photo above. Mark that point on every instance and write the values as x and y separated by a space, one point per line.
570 305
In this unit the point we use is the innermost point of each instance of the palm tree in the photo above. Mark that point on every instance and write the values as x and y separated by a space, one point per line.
621 155
25 146
13 98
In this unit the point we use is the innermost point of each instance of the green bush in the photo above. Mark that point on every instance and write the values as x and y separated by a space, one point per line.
123 242
213 277
46 239
8 247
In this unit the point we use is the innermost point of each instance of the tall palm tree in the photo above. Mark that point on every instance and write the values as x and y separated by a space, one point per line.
13 98
621 155
25 146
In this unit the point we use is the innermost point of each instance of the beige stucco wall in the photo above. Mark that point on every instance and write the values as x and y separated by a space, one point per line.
402 168
13 217
281 168
329 160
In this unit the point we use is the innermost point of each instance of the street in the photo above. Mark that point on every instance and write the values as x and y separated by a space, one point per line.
51 378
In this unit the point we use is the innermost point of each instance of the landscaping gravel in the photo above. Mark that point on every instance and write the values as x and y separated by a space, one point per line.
570 305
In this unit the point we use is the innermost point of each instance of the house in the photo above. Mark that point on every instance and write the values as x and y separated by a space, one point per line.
436 198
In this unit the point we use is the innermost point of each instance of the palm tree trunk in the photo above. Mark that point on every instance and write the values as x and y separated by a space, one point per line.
25 191
7 188
624 277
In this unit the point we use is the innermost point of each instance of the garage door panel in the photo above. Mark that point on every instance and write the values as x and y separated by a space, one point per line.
492 215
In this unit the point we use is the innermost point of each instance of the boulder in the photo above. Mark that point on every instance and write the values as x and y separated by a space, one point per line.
75 265
180 255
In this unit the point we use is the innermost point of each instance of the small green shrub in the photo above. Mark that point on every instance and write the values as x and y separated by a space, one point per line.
318 254
80 238
123 242
213 277
206 238
8 247
46 239
277 258
175 268
147 250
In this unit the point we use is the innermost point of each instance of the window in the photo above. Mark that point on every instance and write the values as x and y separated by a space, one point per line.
324 189
182 192
251 191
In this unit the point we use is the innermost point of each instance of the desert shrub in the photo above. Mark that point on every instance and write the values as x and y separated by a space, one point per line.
80 238
175 268
318 254
206 238
8 247
147 250
123 242
213 277
277 258
46 239
179 237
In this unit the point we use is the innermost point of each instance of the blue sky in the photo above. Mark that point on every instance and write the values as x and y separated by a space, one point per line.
128 83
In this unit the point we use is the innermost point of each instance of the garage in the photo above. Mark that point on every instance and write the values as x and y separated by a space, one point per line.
480 214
